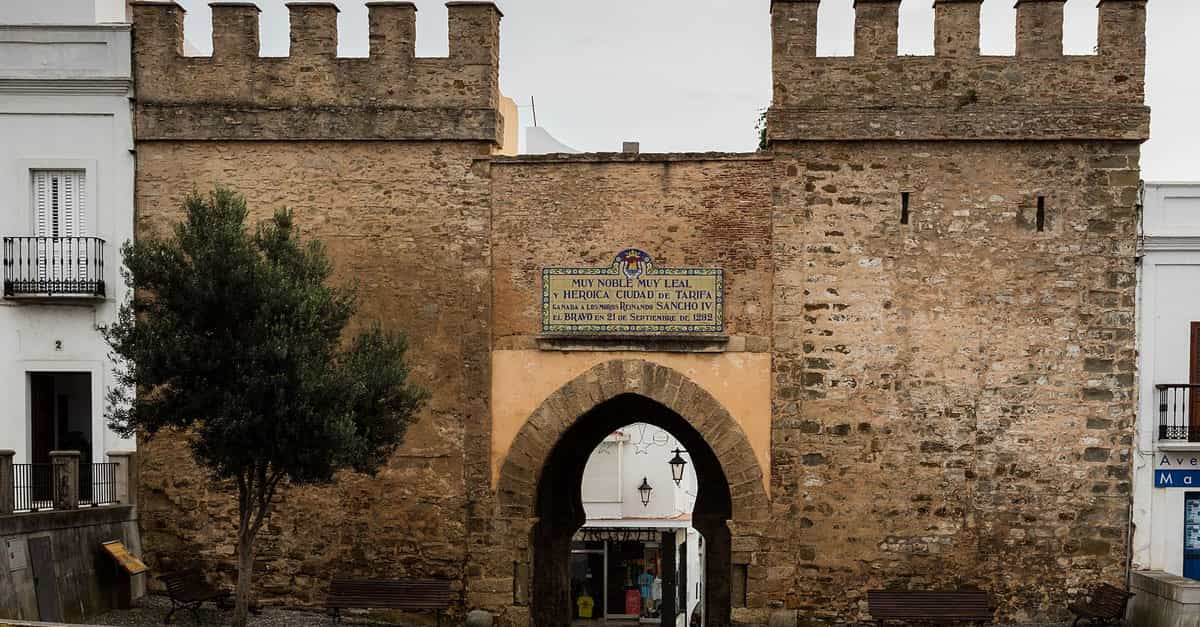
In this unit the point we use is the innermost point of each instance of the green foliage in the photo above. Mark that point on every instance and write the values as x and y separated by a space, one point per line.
238 342
235 340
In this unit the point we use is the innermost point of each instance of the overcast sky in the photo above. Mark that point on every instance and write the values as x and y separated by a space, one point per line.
694 74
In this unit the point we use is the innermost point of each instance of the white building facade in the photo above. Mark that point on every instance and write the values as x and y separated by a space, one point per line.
621 558
66 184
1166 488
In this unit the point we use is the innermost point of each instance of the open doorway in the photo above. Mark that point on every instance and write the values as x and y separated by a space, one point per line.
610 559
60 419
636 560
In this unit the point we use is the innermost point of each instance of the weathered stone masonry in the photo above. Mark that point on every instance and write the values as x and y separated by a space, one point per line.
378 158
951 391
954 396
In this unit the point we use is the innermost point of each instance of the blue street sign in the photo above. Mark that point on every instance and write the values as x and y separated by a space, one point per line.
1177 478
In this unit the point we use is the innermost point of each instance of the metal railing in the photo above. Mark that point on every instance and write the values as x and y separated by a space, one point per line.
1178 412
97 484
33 487
53 266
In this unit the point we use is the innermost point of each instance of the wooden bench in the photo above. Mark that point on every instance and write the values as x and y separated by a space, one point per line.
188 589
1104 606
916 606
391 594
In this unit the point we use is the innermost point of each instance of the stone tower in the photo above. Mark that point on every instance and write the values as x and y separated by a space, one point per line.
954 245
379 158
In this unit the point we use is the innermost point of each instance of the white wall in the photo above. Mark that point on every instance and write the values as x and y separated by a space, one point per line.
695 568
615 470
64 103
1168 301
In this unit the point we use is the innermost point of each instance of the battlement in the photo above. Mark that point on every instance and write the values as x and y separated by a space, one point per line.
957 93
312 93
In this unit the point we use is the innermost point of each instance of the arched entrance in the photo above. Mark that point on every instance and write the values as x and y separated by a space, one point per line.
538 492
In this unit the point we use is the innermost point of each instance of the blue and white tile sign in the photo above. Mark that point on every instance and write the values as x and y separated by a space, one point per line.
632 296
1177 470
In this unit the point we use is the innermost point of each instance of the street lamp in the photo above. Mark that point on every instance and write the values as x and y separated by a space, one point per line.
677 463
644 490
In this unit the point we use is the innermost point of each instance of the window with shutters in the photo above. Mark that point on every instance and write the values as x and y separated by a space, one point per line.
59 203
60 218
61 256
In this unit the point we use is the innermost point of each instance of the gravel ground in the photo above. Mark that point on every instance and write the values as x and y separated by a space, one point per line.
153 608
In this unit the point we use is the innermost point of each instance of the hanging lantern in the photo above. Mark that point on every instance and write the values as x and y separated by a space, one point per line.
677 463
644 490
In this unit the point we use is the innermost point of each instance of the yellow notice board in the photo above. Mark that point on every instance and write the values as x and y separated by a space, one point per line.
131 564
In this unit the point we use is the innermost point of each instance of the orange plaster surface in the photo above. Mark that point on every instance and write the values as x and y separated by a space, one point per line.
523 379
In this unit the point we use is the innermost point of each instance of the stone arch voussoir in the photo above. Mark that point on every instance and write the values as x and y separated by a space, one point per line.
520 473
516 513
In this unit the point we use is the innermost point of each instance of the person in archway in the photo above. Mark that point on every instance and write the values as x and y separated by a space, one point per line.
646 587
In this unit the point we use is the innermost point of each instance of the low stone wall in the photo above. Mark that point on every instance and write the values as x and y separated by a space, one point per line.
1164 600
87 578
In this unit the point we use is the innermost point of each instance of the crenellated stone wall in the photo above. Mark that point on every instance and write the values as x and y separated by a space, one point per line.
929 364
1039 94
312 94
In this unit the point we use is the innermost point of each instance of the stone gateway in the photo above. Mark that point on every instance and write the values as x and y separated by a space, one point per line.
920 368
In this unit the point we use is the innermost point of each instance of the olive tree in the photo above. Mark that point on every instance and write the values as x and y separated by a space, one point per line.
237 340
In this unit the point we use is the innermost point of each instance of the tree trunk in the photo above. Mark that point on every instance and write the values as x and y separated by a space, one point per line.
245 555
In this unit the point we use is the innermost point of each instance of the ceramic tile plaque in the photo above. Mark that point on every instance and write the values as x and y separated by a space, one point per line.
632 297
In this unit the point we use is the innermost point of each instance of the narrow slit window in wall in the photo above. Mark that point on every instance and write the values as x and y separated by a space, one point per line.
1041 214
904 207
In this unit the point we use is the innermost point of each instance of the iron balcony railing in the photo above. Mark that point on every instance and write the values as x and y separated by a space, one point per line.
33 487
97 484
53 266
1178 412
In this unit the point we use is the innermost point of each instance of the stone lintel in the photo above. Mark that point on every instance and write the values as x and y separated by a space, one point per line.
1012 123
200 122
487 4
157 3
320 4
625 157
642 343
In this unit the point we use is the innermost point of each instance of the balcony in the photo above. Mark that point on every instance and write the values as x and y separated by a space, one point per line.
53 267
1178 412
65 483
